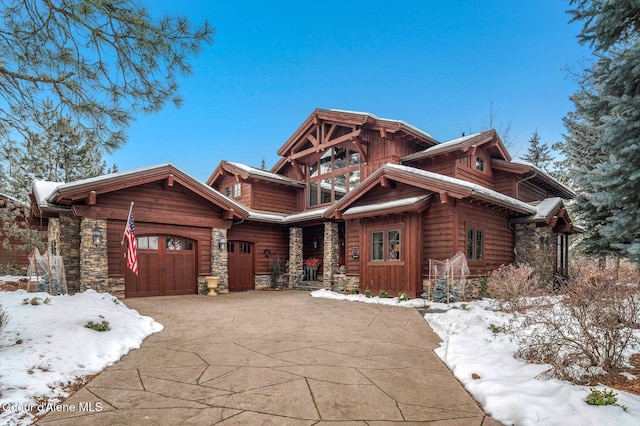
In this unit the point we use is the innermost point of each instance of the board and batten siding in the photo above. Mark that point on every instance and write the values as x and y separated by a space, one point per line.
498 237
263 236
392 276
273 197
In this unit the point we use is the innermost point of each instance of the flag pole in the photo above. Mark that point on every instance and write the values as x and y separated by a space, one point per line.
126 224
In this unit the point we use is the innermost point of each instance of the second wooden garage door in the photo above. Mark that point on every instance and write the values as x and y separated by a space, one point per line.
166 266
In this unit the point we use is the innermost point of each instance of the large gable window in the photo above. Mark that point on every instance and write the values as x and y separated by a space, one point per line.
336 172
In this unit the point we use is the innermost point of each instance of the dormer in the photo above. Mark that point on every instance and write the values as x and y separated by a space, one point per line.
256 188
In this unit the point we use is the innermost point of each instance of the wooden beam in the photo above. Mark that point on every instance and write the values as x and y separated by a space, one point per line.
329 144
327 137
228 214
445 198
312 139
297 169
386 183
383 133
92 198
359 145
168 182
553 221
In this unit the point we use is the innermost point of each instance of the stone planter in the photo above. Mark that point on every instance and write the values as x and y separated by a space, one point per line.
212 285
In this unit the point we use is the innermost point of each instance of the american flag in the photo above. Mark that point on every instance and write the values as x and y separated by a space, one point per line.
130 236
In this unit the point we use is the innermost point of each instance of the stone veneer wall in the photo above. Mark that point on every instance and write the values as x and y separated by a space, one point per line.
219 262
536 247
94 269
331 253
345 283
295 257
65 233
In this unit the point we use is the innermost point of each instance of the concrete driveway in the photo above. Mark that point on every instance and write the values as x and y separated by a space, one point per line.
280 358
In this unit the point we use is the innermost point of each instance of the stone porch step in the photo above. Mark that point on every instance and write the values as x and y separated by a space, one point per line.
309 286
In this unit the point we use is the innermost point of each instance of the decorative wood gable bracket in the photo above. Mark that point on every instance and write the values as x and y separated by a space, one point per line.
321 137
168 182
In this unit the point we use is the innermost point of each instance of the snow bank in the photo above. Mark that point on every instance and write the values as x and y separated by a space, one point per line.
46 346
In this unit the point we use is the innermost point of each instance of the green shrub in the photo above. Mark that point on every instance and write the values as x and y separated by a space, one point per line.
383 294
367 293
605 397
98 326
402 297
495 329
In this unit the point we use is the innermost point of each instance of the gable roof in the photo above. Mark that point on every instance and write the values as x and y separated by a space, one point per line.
464 144
445 186
53 195
245 172
354 119
536 175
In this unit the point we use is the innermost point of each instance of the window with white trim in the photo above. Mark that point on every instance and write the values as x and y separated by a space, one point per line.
237 189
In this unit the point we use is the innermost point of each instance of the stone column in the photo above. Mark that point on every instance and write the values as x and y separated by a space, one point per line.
331 254
94 265
219 261
295 257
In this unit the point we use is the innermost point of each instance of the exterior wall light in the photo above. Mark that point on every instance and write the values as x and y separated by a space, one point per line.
315 243
222 243
97 235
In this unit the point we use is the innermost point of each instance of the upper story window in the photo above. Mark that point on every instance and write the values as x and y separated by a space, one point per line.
336 172
237 190
227 191
480 164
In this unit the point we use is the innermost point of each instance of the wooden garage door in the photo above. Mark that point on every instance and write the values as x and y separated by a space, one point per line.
240 265
166 266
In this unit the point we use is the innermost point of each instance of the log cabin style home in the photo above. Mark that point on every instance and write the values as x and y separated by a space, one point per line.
355 201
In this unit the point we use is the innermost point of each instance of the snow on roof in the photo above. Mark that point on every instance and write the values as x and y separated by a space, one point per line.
442 147
43 189
263 173
474 188
546 207
283 218
390 120
404 202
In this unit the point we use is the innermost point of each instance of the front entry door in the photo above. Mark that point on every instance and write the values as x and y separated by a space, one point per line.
166 266
240 265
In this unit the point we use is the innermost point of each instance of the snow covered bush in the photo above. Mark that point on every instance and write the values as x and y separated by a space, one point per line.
583 331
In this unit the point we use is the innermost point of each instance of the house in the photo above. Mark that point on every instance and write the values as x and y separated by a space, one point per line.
16 246
372 199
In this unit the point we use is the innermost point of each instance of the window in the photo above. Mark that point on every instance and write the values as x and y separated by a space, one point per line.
377 246
147 243
237 189
173 243
385 242
227 191
480 164
475 244
335 173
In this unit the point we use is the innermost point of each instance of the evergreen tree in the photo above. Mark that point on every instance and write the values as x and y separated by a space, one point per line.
60 153
610 174
99 61
538 153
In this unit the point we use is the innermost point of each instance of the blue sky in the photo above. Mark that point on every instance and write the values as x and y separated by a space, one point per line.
439 65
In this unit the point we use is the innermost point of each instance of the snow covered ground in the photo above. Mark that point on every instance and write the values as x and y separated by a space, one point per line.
47 346
507 388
